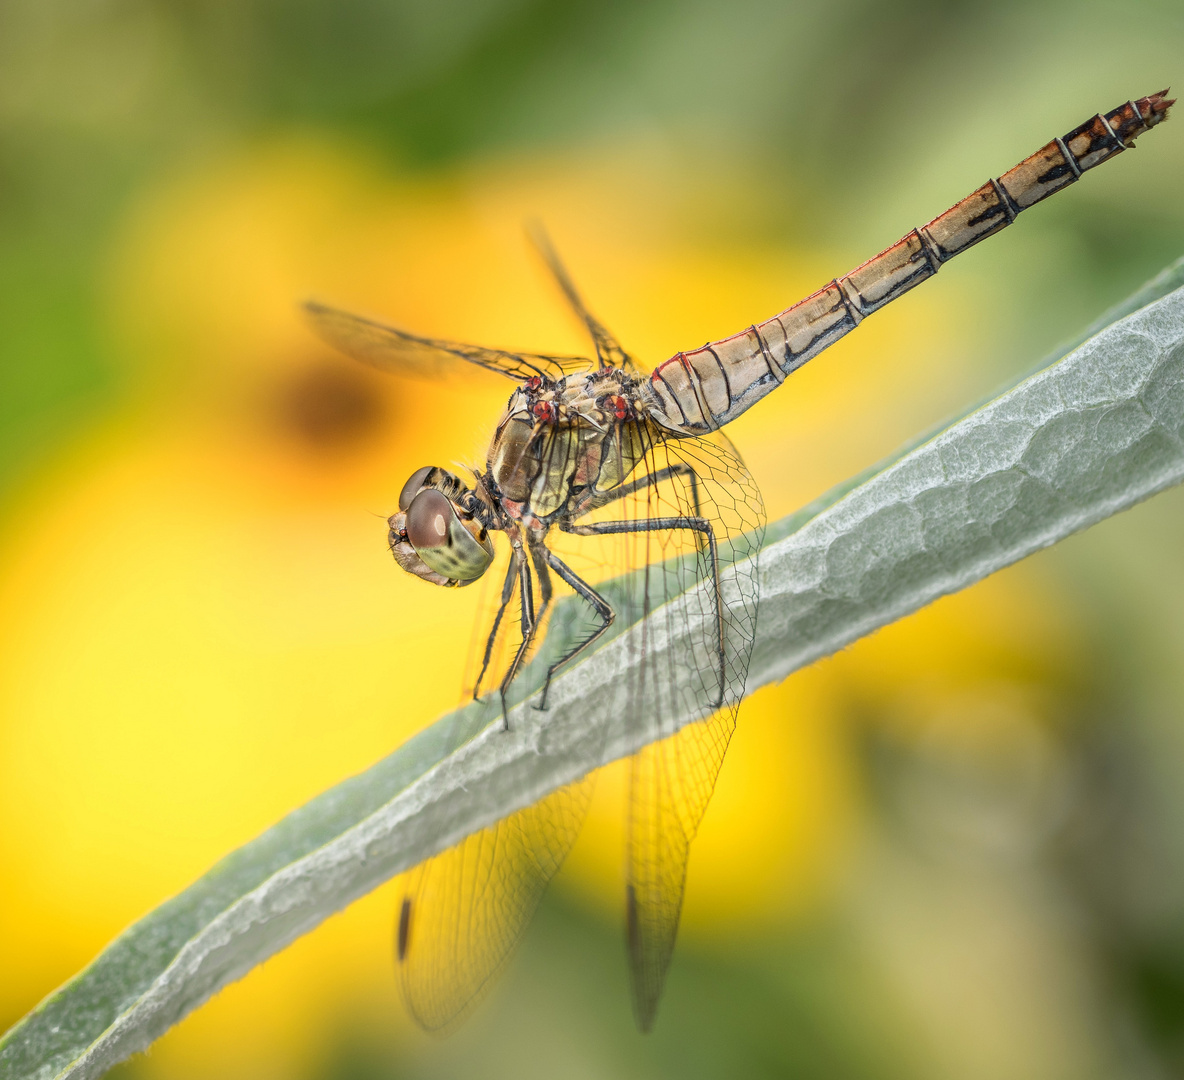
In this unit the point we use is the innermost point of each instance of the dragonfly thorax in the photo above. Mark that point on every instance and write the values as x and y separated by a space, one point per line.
561 443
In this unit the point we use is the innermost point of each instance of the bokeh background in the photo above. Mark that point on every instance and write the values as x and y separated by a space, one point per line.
956 850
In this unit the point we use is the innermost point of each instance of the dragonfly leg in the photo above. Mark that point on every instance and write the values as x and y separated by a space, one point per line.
539 556
655 478
530 622
598 603
647 481
701 526
507 596
526 590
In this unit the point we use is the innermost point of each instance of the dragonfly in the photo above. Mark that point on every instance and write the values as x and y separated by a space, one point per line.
597 451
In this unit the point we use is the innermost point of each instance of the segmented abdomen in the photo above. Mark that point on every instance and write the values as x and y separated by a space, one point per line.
699 391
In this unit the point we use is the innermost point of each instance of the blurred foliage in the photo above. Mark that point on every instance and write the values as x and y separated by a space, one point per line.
980 869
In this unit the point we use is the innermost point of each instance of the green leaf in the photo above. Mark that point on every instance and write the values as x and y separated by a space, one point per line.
1090 434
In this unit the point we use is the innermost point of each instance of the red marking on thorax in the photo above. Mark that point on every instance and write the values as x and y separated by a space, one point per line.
516 511
589 465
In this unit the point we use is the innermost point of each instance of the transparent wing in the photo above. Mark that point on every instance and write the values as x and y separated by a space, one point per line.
608 350
670 783
702 489
394 350
671 779
461 914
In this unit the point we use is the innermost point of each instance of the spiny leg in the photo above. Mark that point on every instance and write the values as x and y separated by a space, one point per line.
598 603
526 587
507 596
623 491
604 528
530 623
538 556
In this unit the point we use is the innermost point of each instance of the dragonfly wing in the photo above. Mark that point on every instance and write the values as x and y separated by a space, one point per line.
461 914
608 349
700 589
670 783
391 349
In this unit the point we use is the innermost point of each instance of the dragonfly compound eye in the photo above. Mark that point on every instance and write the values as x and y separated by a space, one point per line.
411 488
446 543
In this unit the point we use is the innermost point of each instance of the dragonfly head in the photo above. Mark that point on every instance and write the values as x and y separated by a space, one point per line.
436 534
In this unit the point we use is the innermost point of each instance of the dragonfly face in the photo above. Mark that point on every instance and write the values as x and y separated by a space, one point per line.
436 534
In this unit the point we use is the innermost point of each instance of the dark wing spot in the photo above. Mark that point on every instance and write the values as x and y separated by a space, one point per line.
404 929
632 931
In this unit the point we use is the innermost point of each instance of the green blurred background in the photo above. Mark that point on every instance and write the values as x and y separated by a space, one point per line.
957 850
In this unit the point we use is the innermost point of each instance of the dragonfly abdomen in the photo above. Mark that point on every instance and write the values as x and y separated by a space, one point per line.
701 390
